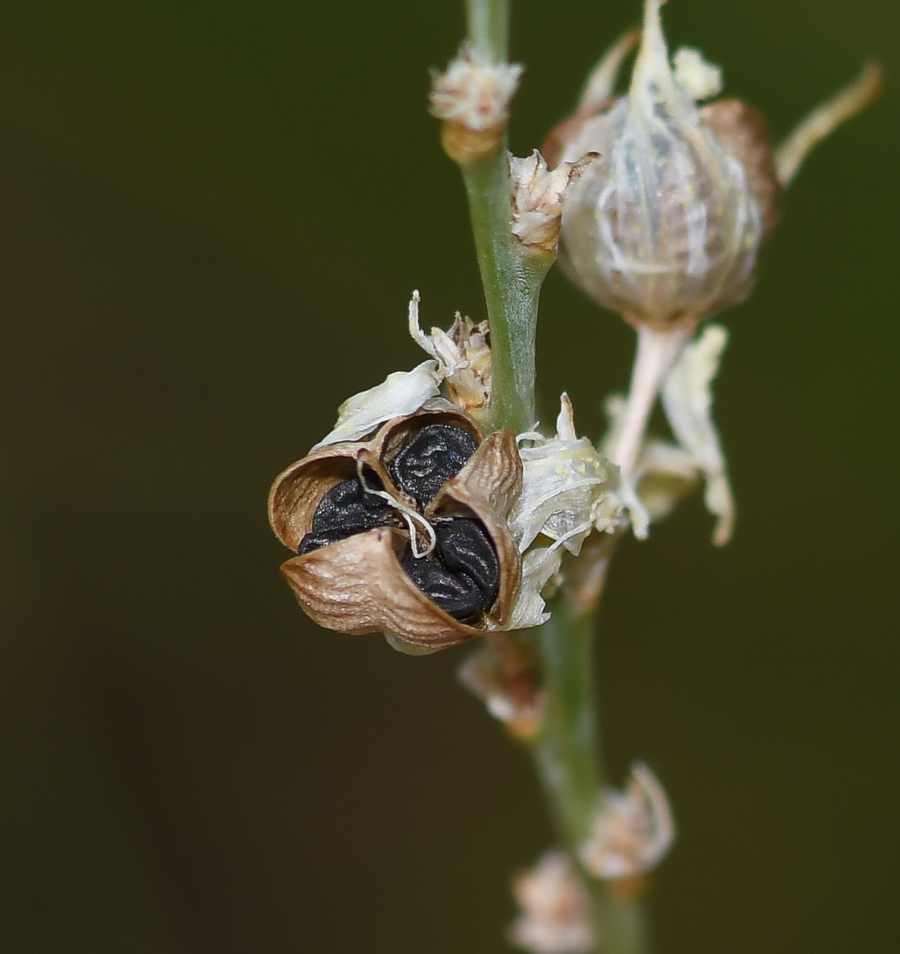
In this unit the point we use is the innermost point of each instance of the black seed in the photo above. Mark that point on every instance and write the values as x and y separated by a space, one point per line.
346 509
457 594
464 547
434 455
315 541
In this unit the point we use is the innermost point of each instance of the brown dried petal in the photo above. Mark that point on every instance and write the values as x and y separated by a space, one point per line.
357 586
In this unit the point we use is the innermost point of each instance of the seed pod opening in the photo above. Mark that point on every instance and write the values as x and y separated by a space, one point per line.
405 533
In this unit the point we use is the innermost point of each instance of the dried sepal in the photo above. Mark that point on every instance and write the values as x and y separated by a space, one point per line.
569 490
687 399
665 474
564 479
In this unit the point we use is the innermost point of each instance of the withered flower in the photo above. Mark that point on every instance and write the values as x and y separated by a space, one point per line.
406 532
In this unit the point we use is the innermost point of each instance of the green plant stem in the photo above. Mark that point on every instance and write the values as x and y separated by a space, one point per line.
567 750
568 762
488 24
511 276
512 286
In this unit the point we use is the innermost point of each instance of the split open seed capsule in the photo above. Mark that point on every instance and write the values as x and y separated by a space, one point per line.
404 533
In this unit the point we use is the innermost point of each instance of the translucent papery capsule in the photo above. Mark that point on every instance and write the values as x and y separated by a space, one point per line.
666 225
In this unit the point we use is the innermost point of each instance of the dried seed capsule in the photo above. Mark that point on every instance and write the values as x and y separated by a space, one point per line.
436 453
464 547
346 509
357 571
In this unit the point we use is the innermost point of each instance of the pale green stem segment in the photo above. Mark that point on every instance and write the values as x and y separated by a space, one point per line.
512 287
567 750
568 761
488 24
511 275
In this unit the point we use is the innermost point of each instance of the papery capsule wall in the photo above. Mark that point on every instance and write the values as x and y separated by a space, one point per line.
665 224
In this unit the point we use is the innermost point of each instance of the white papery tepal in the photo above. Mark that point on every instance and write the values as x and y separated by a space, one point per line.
568 491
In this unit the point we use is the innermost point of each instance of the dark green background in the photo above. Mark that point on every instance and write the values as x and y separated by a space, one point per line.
211 218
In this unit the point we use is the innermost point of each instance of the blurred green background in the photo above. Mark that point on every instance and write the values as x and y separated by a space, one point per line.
211 217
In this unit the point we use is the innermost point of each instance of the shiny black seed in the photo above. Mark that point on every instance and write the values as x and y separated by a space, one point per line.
315 541
434 455
464 547
457 594
347 509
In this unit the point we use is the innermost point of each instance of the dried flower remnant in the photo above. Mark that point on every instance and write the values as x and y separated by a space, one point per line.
554 903
460 364
663 471
464 354
538 196
472 98
668 225
632 832
568 491
501 672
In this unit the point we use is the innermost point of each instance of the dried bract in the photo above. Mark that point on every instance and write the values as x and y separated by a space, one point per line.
554 905
472 98
506 685
632 831
538 195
